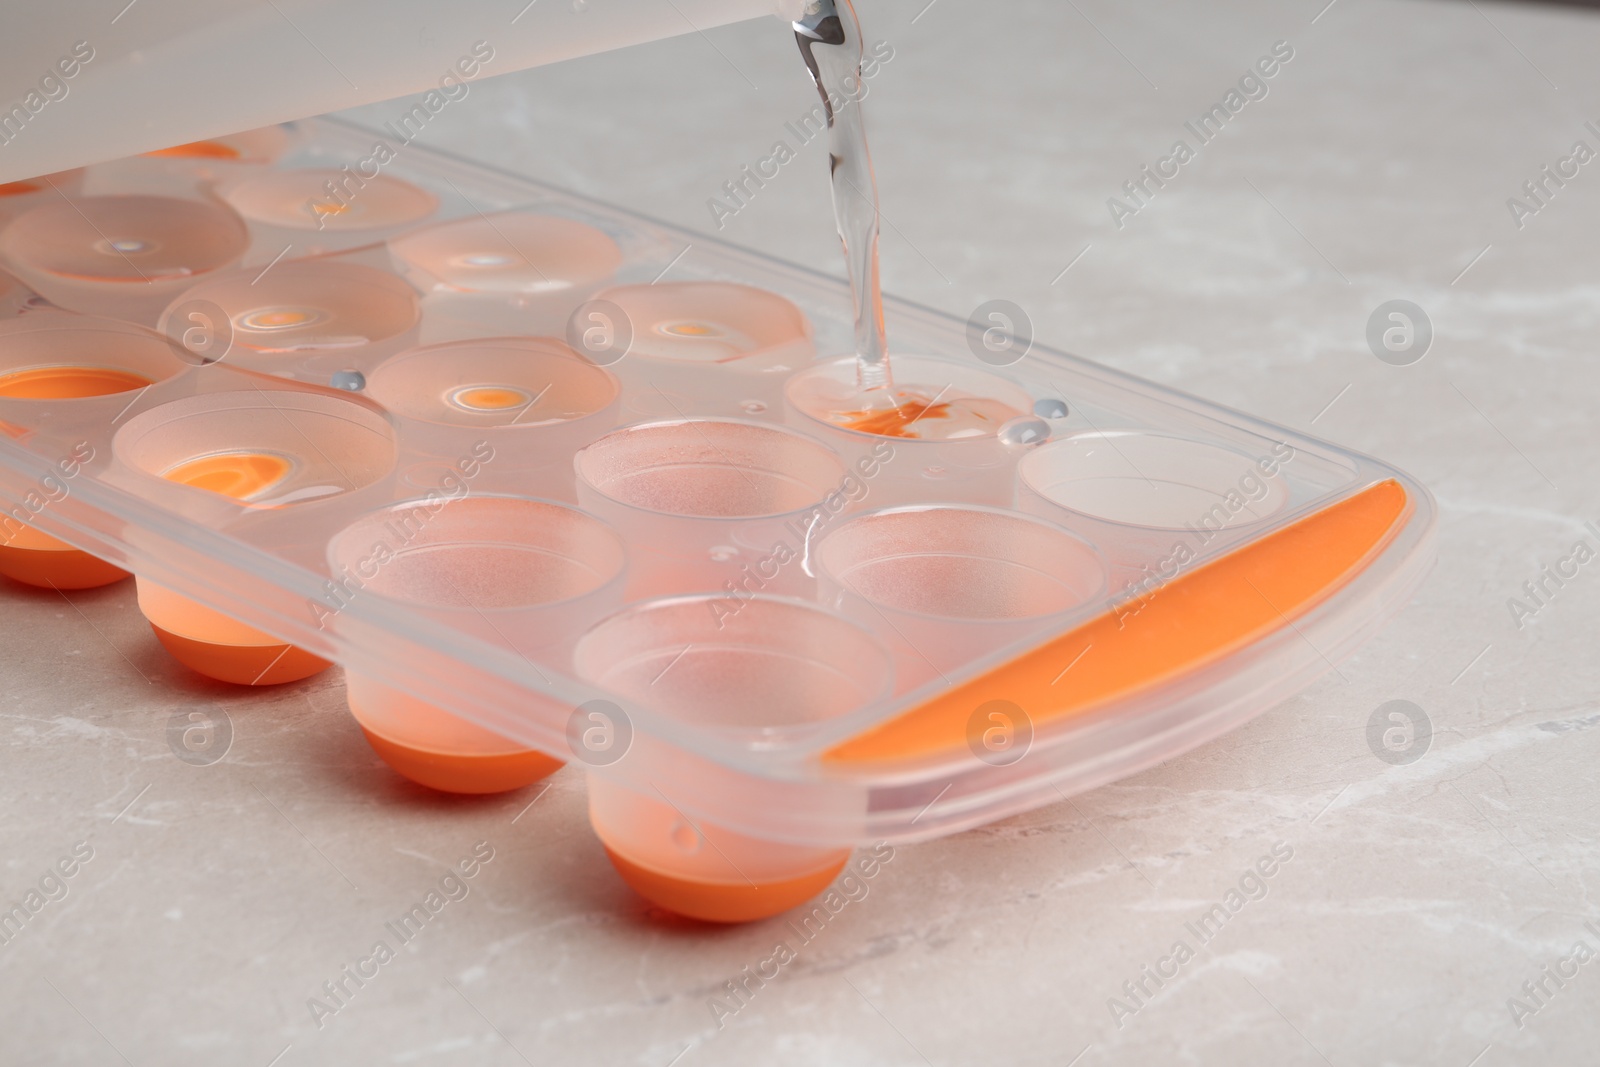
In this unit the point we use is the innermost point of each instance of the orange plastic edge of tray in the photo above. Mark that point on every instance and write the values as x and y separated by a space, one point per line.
1193 620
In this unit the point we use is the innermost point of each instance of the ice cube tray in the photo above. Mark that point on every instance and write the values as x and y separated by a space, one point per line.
531 469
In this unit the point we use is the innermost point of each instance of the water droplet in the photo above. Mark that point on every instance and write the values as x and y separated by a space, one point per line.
685 838
723 553
1026 431
352 380
1050 408
753 407
935 472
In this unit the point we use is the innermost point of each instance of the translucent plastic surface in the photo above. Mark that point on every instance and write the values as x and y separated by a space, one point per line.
704 500
1150 480
1139 493
508 252
58 372
194 166
49 355
523 405
258 450
19 197
245 63
704 340
943 419
120 255
307 317
794 612
775 668
947 584
516 573
316 210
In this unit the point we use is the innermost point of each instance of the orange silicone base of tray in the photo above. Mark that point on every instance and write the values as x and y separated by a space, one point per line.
57 568
1194 620
242 664
721 902
498 772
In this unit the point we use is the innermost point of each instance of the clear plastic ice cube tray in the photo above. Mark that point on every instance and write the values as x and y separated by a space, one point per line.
532 470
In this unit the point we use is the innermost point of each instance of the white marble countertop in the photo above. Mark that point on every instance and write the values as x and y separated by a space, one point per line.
1419 897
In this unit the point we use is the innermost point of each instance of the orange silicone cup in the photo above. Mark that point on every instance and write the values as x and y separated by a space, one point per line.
56 366
511 571
724 902
269 449
451 772
37 559
769 674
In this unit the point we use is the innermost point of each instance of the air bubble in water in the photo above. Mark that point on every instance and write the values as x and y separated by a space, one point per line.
1025 432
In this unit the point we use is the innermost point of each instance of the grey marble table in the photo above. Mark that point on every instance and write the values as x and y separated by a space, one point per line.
1423 897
